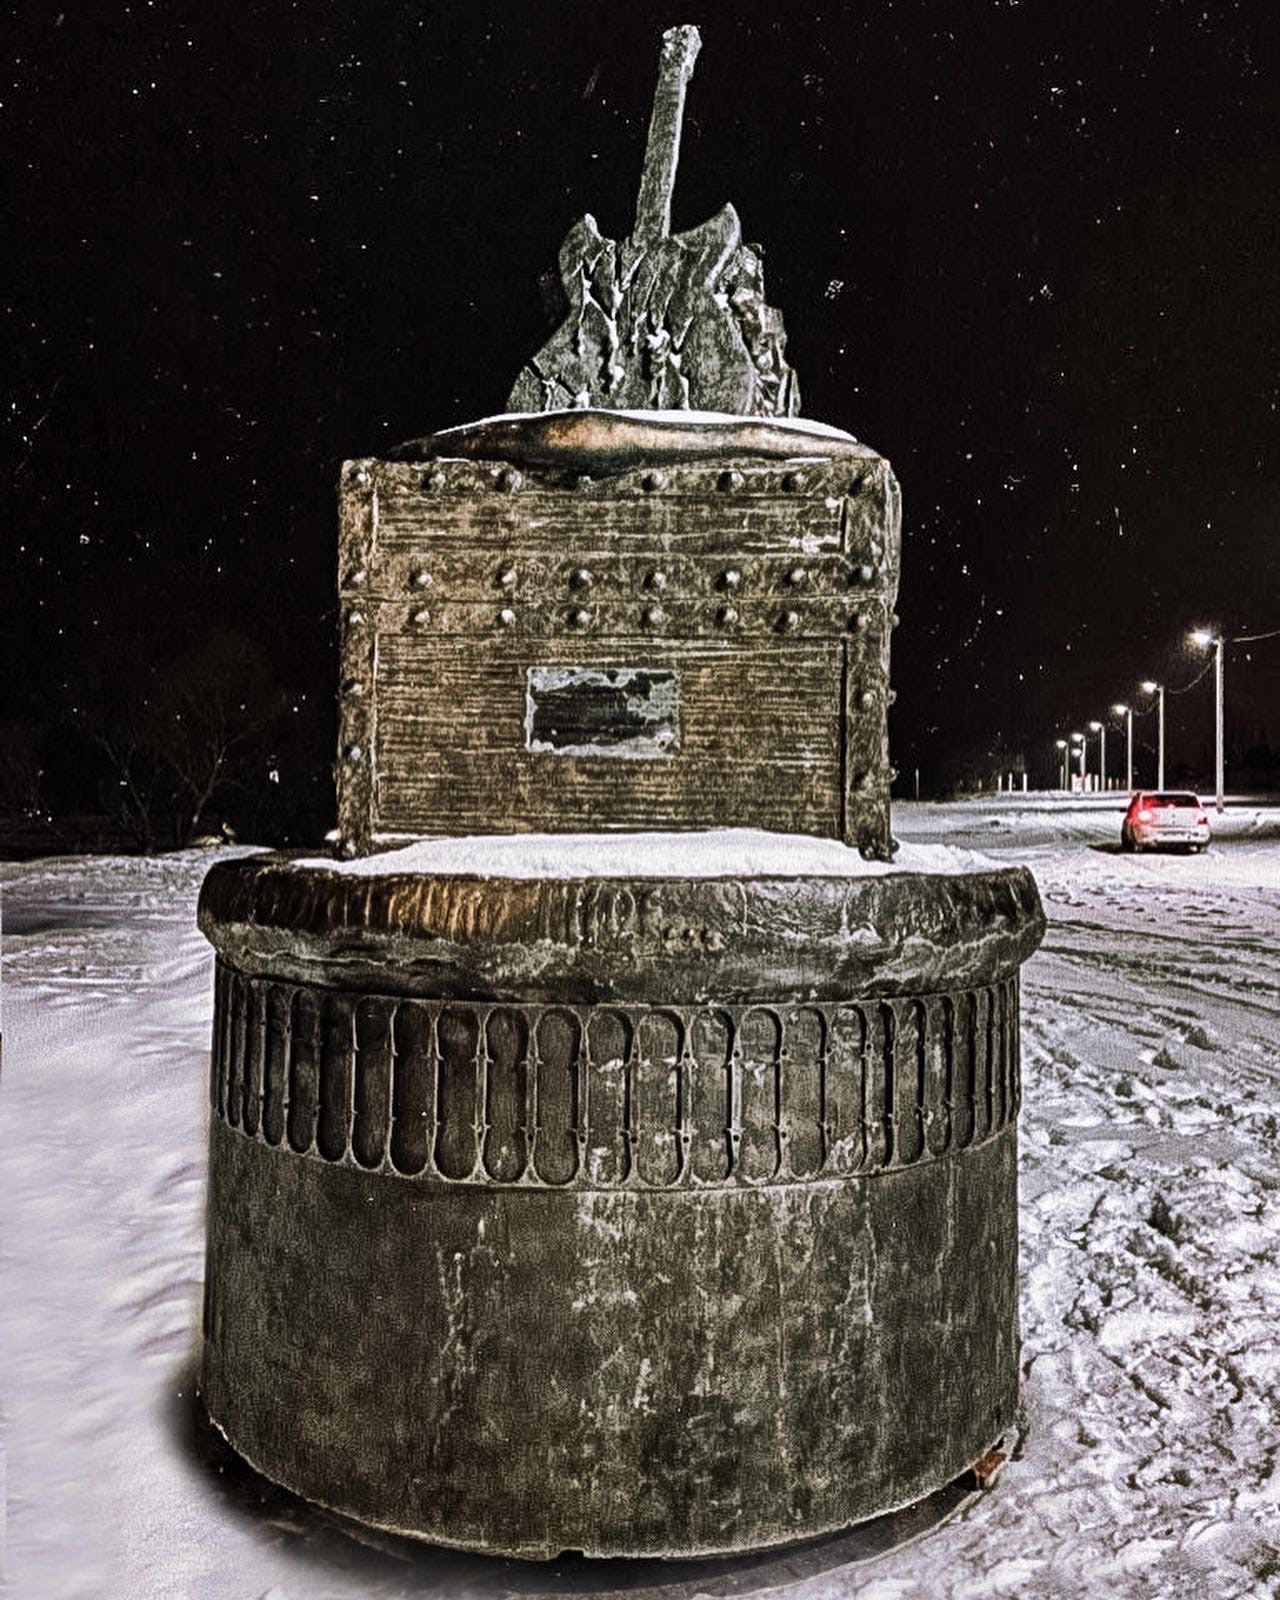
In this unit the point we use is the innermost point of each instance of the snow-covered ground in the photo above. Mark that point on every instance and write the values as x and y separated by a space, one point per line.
1149 1464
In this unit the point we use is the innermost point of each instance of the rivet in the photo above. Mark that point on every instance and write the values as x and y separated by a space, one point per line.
857 621
360 476
509 480
894 619
730 578
506 616
797 577
354 753
891 773
789 620
347 849
866 781
353 687
731 481
866 573
355 580
726 616
653 480
866 699
656 580
355 619
792 482
654 616
584 480
581 578
422 579
507 577
435 479
421 617
890 697
580 618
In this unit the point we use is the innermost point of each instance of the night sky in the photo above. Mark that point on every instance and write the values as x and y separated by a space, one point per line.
1028 251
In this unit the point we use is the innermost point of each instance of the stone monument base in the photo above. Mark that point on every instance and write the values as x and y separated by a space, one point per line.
621 1210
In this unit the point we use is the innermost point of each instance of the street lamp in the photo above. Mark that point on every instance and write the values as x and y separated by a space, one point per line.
1127 713
1204 638
1062 762
1078 739
1148 687
1100 728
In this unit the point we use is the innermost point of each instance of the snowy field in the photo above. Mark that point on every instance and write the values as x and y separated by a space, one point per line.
1149 1459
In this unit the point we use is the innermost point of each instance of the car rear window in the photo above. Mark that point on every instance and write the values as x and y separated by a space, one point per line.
1188 802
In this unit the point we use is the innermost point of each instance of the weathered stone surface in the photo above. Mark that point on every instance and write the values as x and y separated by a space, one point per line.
751 567
632 1217
663 320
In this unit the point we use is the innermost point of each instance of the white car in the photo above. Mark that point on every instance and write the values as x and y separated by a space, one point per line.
1165 817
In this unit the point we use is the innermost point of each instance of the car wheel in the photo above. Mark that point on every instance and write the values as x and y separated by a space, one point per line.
1127 844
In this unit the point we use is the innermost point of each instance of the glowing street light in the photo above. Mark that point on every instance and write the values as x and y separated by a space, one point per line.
1100 728
1127 713
1148 686
1204 638
1078 739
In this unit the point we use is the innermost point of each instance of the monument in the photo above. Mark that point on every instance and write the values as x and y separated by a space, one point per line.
614 1149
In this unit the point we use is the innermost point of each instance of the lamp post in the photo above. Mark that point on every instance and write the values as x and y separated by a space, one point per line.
1100 728
1157 689
1062 762
1127 713
1078 740
1204 638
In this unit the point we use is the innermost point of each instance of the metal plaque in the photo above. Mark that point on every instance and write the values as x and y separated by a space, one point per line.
628 712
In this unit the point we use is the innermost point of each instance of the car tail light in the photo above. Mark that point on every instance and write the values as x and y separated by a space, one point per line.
1143 814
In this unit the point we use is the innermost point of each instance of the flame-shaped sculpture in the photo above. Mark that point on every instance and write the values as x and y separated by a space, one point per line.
663 321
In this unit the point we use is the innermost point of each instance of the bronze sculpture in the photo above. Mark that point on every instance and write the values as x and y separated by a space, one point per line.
602 1205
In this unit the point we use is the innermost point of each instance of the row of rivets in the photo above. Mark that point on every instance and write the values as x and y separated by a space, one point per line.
652 616
655 616
584 578
510 479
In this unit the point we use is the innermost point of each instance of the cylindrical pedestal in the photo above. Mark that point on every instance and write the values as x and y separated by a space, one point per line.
643 1217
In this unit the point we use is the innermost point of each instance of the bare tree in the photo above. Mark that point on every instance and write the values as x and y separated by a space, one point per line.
170 736
216 699
22 805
